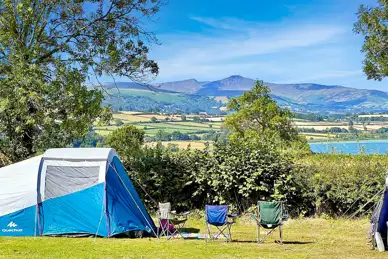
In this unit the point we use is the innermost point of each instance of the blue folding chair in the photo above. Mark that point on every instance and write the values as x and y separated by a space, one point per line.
218 216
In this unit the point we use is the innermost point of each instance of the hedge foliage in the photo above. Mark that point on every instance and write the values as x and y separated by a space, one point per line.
240 175
343 184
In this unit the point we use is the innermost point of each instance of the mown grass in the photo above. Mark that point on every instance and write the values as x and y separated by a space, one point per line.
312 238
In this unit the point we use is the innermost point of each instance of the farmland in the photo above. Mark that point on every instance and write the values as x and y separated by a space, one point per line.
198 125
168 124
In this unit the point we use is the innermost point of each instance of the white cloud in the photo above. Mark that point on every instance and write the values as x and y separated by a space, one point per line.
224 50
286 52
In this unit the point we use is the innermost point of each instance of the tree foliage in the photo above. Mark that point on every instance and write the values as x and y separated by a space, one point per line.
257 115
127 141
373 25
95 36
48 49
36 114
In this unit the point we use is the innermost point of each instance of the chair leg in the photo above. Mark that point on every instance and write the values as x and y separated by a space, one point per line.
157 231
220 231
267 235
208 232
281 234
167 230
178 229
229 233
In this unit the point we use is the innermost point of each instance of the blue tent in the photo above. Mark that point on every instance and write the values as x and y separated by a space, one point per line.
379 222
70 192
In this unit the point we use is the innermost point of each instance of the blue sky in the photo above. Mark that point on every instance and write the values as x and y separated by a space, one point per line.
289 41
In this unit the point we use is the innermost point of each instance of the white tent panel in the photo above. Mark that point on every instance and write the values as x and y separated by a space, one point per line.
19 182
70 176
18 185
80 154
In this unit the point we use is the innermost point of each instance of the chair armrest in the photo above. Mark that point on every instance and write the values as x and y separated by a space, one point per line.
184 214
233 217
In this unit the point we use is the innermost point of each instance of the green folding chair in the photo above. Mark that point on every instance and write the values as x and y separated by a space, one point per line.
270 215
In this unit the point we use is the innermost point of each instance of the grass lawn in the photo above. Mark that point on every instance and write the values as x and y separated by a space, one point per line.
312 238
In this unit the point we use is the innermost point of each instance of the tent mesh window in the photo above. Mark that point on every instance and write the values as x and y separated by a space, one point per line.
62 180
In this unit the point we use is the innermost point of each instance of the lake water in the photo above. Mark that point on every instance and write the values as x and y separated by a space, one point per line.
351 147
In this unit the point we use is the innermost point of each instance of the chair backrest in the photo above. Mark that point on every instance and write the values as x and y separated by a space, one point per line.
270 212
217 215
165 210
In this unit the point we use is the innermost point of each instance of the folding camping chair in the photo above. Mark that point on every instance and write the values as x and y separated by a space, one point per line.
270 215
218 216
170 222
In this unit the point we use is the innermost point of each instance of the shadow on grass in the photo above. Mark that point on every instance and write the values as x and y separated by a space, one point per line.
284 242
297 243
190 230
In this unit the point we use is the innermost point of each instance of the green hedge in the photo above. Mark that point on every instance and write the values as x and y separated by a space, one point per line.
344 183
241 175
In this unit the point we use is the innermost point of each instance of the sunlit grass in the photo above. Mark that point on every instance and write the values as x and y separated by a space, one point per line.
312 238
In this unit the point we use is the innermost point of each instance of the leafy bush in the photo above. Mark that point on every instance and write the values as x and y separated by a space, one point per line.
344 183
228 173
242 174
163 175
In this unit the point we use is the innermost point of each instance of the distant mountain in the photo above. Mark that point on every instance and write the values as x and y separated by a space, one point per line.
136 86
298 97
190 86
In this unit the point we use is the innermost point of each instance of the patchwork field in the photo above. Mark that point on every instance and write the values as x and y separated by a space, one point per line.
173 123
311 238
373 116
317 136
191 125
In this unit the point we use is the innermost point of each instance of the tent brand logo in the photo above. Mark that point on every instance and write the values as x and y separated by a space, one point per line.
11 227
12 224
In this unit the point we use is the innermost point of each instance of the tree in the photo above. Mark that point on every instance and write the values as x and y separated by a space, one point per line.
96 37
183 117
257 115
91 139
154 120
127 141
351 125
36 114
373 25
197 119
118 122
48 49
162 135
364 126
